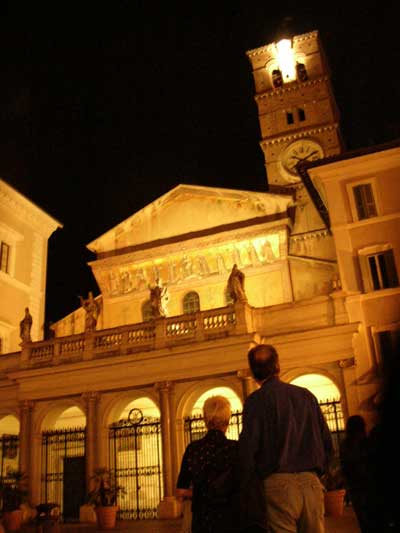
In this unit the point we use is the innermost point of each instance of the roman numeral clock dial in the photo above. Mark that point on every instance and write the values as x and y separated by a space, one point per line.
301 150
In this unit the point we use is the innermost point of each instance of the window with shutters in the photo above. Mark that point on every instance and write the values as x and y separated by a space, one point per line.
4 257
378 268
364 201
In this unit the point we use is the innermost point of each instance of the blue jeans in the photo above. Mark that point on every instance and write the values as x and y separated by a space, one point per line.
294 503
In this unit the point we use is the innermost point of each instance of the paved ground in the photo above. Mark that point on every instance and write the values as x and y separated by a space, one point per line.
344 524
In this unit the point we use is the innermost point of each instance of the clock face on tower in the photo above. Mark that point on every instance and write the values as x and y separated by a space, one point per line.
301 150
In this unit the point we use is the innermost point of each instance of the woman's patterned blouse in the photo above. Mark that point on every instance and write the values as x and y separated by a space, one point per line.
202 462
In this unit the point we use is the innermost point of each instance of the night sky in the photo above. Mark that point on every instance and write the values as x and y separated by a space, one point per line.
105 108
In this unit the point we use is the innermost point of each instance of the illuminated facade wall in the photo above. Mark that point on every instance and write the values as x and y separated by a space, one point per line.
24 232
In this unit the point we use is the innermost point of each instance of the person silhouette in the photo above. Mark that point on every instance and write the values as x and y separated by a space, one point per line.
354 462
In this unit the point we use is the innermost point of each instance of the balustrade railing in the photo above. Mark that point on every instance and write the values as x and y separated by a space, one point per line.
133 338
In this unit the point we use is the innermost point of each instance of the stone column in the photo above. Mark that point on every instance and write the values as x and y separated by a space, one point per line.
168 507
91 400
351 403
174 449
248 385
29 450
25 415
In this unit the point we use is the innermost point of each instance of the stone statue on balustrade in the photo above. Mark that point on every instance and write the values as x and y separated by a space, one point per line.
25 327
158 299
236 285
92 309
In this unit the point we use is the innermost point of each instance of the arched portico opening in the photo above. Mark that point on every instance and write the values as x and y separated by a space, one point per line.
9 444
63 461
135 457
329 398
194 427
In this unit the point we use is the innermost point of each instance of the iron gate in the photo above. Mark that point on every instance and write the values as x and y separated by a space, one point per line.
9 454
136 461
195 427
333 413
57 446
332 410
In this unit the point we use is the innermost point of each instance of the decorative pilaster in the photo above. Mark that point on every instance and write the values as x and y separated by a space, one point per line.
91 399
25 416
168 507
27 443
348 367
172 429
247 381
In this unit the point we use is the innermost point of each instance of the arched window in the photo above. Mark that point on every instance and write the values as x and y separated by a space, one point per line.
147 311
277 80
301 71
191 302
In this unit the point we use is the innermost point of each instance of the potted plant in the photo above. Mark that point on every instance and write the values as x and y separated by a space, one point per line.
13 493
103 497
334 483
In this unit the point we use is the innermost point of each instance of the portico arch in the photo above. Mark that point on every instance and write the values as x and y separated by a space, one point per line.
62 454
198 390
9 424
326 390
9 443
135 453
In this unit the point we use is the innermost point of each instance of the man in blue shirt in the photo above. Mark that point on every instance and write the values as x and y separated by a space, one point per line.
286 442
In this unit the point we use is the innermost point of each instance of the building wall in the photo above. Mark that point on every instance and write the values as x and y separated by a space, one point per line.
26 229
375 308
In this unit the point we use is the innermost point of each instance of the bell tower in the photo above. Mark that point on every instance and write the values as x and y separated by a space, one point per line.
299 121
297 111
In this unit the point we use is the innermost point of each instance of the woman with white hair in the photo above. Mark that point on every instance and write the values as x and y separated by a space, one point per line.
206 473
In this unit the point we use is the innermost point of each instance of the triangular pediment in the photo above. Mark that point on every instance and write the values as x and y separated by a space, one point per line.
189 209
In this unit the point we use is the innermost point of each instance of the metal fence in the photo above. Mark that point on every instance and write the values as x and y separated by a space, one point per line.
136 461
333 413
63 470
194 427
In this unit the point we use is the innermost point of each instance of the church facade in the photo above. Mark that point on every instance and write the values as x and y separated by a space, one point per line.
319 255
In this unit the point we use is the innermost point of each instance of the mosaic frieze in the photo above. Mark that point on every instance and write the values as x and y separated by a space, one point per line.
178 268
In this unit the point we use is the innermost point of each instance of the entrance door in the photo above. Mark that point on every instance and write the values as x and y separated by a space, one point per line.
74 492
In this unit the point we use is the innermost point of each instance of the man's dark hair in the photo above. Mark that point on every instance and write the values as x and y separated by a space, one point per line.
263 361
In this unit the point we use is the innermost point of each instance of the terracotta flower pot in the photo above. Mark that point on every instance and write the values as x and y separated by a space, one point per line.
12 520
107 517
334 502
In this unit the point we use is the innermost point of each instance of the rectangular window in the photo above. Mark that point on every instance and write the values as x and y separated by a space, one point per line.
4 257
364 201
289 117
302 115
382 270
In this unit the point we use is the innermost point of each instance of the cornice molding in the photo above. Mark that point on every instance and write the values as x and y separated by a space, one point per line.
293 86
299 134
316 234
6 278
297 38
10 234
26 211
